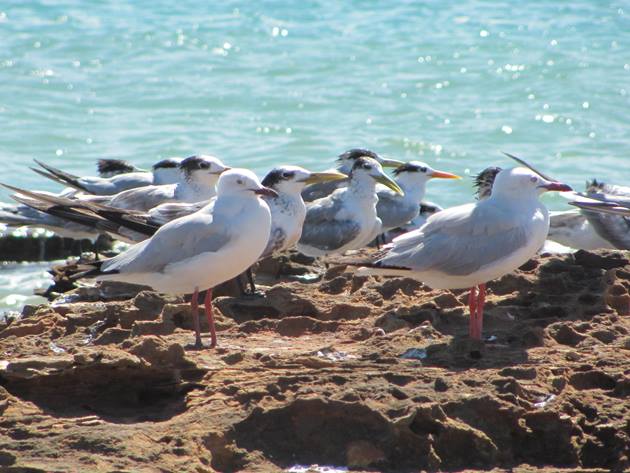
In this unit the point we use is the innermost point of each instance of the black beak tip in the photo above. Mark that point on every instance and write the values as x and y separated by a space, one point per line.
266 191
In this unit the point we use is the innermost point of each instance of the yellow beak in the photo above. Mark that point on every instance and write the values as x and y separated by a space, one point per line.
389 182
444 175
390 163
327 176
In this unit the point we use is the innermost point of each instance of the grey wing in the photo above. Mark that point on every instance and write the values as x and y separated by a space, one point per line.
457 242
174 242
323 229
164 213
614 228
393 211
143 198
322 189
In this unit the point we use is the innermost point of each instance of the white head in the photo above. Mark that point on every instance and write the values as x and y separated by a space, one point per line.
292 179
521 182
347 159
167 171
242 182
202 170
416 174
369 169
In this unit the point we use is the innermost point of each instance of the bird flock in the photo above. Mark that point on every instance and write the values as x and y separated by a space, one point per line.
195 223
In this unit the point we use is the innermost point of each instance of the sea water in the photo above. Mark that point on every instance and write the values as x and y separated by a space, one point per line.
452 83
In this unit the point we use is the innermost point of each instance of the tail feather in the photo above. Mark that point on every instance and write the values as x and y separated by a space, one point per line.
128 221
62 176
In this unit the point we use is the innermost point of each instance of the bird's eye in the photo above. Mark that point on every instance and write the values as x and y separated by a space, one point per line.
239 181
367 166
423 169
204 165
287 175
533 179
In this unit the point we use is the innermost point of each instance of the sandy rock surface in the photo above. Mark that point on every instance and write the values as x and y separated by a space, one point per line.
368 374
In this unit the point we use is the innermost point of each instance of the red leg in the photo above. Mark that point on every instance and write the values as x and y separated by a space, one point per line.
213 331
472 307
481 300
194 308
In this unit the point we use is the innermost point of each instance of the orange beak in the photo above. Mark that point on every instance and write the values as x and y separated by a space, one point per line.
444 175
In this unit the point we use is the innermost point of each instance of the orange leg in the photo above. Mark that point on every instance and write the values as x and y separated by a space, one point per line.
213 331
194 308
472 307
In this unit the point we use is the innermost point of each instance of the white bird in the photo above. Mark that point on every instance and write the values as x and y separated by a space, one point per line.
345 161
346 219
163 172
201 250
569 228
396 210
198 178
469 245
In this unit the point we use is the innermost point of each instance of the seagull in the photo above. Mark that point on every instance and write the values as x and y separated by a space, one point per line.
396 210
346 219
198 178
163 172
345 161
112 167
469 245
569 228
201 250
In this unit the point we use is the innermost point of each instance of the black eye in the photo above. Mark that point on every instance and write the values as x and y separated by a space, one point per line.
423 169
533 179
204 165
287 175
239 181
367 166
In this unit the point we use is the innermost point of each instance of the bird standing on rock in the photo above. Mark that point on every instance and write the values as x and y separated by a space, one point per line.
346 219
201 250
469 245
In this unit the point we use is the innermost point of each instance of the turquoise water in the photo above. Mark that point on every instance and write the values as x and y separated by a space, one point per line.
264 83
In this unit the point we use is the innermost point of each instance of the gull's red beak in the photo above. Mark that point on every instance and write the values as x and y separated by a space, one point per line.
557 187
265 191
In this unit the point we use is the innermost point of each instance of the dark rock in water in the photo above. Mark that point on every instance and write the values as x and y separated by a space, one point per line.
30 247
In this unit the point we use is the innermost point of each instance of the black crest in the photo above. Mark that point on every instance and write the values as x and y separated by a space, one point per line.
275 176
484 181
114 166
595 186
168 163
356 153
409 167
362 163
193 163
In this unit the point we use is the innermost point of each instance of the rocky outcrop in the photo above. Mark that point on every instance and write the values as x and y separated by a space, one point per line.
362 373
